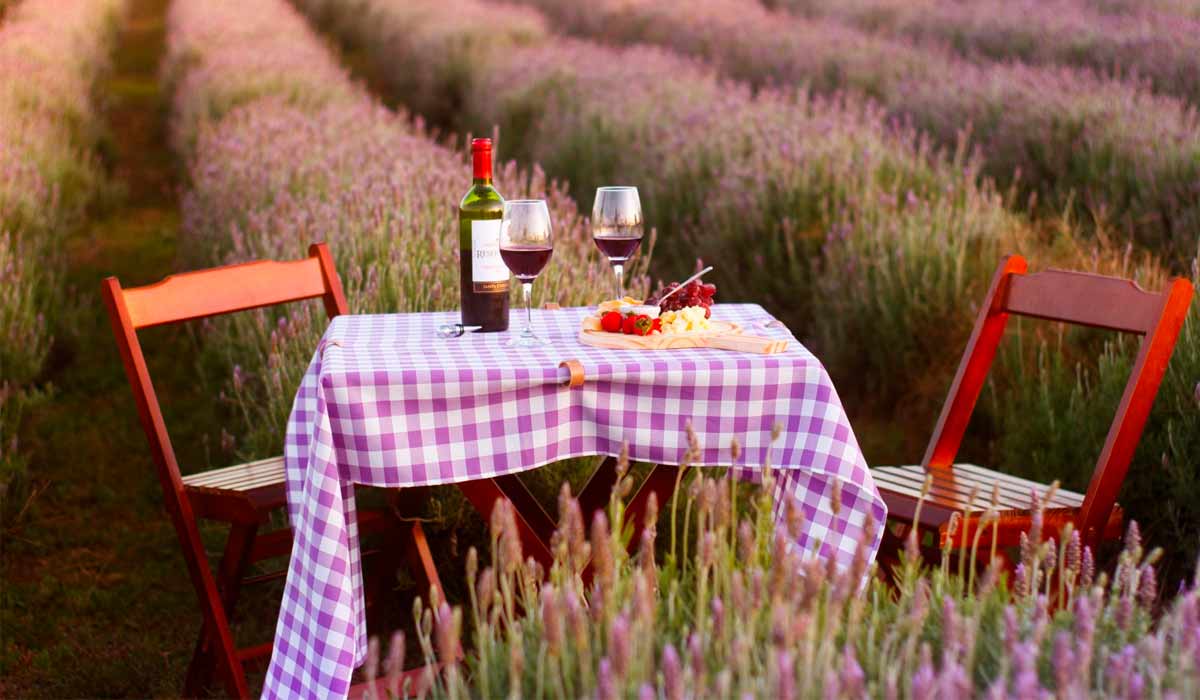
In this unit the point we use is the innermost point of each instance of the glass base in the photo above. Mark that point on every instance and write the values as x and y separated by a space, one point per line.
525 340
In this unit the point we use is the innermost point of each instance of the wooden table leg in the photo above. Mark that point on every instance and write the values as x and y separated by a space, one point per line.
527 506
483 494
595 493
660 482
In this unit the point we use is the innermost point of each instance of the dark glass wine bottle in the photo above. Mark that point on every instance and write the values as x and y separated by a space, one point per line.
483 276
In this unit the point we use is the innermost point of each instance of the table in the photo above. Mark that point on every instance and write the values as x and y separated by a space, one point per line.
386 403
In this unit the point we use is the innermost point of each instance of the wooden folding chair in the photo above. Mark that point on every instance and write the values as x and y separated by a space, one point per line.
243 495
1073 297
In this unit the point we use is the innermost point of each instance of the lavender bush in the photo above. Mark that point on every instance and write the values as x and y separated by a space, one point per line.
1179 8
285 150
220 57
1160 48
1107 147
719 604
51 57
434 89
716 165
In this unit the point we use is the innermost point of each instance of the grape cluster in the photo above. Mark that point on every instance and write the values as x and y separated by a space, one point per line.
695 293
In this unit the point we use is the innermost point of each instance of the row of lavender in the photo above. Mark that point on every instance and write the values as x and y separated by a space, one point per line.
1162 48
717 166
1111 149
728 619
51 58
867 241
1178 8
283 149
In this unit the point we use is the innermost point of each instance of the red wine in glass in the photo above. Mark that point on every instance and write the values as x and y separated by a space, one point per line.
620 245
617 227
526 262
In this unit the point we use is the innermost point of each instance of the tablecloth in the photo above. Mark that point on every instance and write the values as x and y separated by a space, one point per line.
386 402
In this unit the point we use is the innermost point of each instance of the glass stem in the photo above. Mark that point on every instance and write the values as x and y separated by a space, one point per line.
619 268
527 289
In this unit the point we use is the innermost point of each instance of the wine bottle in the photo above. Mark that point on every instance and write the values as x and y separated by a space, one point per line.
483 276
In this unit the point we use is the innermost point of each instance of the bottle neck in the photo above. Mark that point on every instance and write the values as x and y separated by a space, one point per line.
482 166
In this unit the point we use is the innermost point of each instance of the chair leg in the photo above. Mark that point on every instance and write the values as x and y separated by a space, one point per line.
411 542
234 562
420 560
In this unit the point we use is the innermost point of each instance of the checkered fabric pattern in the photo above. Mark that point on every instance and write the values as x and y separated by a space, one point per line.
386 402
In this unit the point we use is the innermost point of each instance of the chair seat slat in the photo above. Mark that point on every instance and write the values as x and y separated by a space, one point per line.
901 484
961 485
956 488
1012 492
1071 498
239 477
233 471
235 481
939 493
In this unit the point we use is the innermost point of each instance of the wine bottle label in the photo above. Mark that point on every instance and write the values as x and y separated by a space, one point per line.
488 271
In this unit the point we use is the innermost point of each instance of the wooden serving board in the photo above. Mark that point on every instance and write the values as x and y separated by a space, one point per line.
723 335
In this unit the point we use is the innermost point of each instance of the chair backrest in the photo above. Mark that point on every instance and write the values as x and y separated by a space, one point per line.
1084 299
200 294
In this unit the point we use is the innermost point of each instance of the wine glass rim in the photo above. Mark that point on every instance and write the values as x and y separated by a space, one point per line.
524 201
615 188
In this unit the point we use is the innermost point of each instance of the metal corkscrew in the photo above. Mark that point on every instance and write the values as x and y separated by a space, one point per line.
454 330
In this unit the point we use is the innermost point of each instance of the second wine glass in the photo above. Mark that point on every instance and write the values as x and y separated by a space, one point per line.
526 243
617 227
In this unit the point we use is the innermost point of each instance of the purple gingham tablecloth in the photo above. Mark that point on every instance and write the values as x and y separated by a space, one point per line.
387 403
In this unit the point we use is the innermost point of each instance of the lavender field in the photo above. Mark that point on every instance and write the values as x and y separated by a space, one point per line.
856 167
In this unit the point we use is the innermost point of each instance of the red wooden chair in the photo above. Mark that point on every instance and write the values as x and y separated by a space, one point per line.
1073 297
243 495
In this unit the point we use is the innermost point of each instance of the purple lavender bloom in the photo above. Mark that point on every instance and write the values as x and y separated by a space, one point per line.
853 680
619 646
923 683
607 687
672 668
786 685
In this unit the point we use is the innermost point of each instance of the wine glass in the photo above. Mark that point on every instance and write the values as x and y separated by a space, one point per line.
526 243
617 227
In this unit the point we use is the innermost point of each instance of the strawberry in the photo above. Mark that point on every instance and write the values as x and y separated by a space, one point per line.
642 325
611 322
628 325
656 327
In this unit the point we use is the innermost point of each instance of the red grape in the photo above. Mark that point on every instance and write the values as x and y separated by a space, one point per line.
694 294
